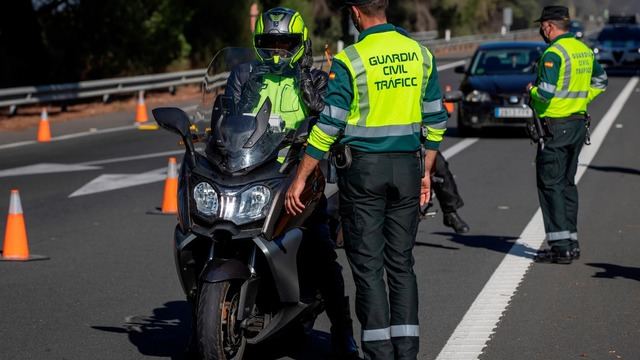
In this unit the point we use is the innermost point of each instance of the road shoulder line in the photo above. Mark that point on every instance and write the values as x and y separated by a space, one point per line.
473 332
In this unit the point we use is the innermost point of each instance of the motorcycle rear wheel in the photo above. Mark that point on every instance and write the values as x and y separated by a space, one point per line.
219 335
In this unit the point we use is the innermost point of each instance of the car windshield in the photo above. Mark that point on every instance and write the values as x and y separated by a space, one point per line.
620 37
505 61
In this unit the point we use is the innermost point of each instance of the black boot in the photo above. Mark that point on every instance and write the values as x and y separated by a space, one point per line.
453 220
555 255
575 250
343 345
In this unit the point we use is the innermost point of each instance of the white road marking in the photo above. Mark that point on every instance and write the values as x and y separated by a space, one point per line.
17 144
474 331
133 158
51 168
458 147
109 182
451 65
45 168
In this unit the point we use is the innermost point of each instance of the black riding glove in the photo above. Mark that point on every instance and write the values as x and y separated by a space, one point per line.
251 89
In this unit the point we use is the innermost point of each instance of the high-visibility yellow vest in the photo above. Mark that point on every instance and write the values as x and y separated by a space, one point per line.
390 73
285 97
574 81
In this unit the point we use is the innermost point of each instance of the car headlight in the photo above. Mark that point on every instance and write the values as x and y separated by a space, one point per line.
478 96
596 50
246 206
206 199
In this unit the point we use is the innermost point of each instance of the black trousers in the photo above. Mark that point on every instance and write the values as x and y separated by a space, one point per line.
447 191
556 167
379 207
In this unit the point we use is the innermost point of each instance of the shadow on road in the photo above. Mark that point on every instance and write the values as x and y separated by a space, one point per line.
503 244
437 246
618 169
165 333
612 271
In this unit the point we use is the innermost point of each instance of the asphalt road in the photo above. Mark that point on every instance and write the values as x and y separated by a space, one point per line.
109 290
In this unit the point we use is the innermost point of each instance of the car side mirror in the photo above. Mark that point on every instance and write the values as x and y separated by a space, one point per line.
453 96
460 69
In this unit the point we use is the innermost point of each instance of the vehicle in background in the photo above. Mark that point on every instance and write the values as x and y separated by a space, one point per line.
493 91
617 48
622 20
576 28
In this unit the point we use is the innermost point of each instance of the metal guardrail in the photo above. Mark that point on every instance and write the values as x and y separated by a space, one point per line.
29 95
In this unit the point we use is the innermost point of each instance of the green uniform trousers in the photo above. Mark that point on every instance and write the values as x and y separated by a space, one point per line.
556 167
379 208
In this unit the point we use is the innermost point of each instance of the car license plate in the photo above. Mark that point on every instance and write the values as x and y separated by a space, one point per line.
513 112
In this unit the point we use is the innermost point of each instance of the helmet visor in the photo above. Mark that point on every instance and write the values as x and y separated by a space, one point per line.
283 45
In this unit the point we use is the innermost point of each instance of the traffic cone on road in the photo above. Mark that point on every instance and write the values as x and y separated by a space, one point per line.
142 117
141 109
448 105
16 246
170 196
44 131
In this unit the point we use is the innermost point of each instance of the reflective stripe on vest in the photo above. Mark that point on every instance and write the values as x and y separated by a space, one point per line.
389 73
574 80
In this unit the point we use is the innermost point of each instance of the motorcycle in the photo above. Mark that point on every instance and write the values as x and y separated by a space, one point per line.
236 248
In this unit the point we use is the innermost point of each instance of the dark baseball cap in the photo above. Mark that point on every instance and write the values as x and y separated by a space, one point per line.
554 12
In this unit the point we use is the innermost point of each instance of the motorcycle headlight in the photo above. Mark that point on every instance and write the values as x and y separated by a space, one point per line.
206 199
478 96
246 206
596 50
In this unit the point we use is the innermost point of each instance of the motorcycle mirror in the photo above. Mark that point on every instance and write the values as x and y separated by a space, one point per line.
174 120
453 96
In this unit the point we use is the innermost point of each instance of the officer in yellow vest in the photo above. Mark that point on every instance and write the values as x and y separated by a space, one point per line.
383 98
569 78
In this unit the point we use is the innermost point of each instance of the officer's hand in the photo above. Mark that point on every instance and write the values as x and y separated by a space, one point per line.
425 190
292 202
529 86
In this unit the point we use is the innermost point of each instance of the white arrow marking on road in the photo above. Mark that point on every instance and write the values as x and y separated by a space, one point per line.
46 168
52 168
109 182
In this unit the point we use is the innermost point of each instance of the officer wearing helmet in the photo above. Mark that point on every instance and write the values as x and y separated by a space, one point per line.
383 104
283 73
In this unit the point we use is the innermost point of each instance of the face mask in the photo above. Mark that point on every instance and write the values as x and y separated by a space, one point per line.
354 19
544 37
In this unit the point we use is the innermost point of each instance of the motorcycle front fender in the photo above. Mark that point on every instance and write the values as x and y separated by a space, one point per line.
218 270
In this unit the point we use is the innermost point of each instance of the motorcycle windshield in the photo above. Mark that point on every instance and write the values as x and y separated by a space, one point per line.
243 142
238 141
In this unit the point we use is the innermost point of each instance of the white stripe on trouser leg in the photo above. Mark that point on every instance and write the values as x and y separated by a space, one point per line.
558 235
405 330
574 236
376 334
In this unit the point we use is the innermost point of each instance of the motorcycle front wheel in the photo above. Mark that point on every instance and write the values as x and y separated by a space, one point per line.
219 333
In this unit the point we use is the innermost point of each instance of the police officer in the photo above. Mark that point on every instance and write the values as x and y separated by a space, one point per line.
569 78
383 96
283 74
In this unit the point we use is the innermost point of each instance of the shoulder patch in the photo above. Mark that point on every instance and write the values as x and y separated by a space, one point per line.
332 75
548 64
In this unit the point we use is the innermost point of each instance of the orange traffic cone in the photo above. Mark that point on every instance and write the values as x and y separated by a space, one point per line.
44 132
170 197
141 109
448 105
142 118
16 246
